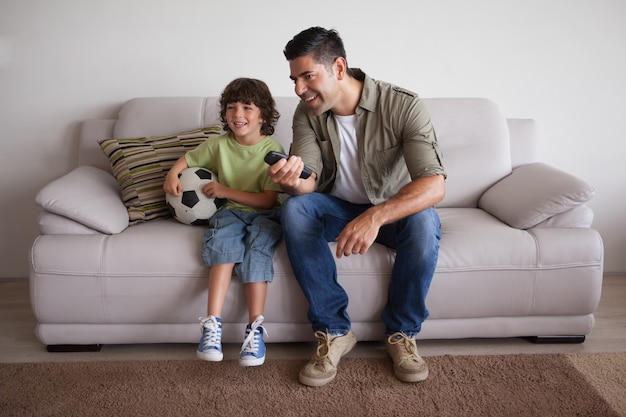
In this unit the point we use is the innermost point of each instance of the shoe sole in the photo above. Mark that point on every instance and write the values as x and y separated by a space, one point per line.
411 377
252 361
210 357
319 382
316 382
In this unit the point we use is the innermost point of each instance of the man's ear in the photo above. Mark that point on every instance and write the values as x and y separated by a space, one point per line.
340 66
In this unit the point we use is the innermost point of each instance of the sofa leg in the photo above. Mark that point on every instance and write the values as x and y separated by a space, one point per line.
557 339
73 348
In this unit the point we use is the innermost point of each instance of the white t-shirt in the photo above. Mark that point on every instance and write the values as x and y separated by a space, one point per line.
348 184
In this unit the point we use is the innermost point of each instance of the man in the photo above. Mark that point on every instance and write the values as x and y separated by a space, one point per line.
377 174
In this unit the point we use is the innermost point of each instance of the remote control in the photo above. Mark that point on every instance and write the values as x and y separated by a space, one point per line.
272 157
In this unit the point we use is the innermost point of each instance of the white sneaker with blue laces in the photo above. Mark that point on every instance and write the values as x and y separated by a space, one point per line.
210 346
253 348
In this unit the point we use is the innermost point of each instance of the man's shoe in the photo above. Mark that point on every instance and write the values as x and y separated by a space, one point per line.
408 365
322 368
253 348
210 346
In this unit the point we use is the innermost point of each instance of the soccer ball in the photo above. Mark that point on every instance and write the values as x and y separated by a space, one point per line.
192 206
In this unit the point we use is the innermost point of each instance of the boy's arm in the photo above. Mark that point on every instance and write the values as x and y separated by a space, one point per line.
262 200
172 184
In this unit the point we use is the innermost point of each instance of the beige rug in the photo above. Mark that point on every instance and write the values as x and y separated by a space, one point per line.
503 385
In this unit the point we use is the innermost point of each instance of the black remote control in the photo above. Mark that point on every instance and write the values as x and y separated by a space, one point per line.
272 157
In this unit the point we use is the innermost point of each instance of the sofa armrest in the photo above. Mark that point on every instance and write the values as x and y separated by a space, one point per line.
53 224
533 193
89 196
578 217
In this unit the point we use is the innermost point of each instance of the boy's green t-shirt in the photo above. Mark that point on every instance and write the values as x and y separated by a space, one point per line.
236 166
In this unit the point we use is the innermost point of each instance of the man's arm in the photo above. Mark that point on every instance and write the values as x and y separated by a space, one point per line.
286 173
418 195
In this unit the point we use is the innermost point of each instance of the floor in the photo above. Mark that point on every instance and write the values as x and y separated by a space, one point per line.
19 344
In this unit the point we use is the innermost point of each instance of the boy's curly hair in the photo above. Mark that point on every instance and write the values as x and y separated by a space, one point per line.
250 91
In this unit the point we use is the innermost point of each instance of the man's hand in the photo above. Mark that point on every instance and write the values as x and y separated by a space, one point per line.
358 235
286 173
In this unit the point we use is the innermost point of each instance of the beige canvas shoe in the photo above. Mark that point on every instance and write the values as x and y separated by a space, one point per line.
322 368
408 365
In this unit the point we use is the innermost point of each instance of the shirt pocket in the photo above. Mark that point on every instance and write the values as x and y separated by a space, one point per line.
390 161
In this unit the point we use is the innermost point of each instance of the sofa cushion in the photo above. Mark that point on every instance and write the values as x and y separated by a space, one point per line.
86 195
141 164
533 193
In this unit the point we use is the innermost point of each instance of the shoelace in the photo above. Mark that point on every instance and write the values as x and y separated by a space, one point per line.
409 344
323 346
251 342
212 337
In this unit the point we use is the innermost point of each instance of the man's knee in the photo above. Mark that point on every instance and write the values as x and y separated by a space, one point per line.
297 206
426 222
289 209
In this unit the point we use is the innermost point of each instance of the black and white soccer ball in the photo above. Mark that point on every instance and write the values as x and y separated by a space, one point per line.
192 206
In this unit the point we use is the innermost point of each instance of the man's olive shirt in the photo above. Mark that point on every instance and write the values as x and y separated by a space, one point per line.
395 138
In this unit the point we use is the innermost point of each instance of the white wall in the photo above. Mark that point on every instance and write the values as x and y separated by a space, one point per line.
561 62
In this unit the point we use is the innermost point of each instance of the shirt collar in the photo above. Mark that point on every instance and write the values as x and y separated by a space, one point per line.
369 95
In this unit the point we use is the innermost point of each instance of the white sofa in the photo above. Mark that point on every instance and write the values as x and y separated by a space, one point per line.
518 255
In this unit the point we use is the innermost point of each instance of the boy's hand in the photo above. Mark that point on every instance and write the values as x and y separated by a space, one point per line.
172 185
214 189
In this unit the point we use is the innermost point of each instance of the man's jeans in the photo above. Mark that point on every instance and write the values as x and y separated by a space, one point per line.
310 221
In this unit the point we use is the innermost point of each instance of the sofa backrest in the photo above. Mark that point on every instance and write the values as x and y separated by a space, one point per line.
473 135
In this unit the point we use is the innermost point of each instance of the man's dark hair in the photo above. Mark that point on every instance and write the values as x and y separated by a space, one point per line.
324 45
250 91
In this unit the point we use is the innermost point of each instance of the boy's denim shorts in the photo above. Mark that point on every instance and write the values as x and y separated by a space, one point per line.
246 239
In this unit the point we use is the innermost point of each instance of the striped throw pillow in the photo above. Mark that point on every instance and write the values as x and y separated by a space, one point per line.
141 164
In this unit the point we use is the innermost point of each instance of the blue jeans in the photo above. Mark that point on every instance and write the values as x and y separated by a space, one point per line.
246 239
310 221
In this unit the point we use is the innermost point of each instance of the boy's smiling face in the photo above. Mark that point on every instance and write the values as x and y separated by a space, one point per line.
245 121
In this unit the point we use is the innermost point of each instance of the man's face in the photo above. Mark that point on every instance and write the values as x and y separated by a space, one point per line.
314 84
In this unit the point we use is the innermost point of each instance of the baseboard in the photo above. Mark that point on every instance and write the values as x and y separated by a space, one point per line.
73 348
557 339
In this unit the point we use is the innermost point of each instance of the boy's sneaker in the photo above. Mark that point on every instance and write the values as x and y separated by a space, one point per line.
322 368
210 346
253 348
408 365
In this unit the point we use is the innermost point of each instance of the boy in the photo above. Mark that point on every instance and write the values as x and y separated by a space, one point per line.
242 235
